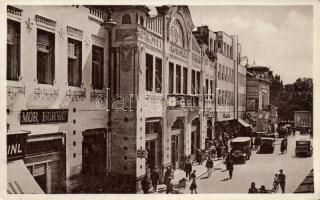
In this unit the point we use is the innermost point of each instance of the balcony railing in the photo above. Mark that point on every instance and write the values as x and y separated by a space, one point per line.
183 101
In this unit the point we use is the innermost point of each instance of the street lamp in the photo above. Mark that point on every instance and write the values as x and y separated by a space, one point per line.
109 25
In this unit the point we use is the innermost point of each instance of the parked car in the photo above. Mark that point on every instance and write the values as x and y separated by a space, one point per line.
267 145
240 149
303 148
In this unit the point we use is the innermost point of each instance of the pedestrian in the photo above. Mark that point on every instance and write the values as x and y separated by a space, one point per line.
193 186
193 174
145 184
209 166
219 150
253 188
154 178
229 165
282 180
198 157
283 145
262 189
223 151
213 151
167 175
188 169
275 183
169 185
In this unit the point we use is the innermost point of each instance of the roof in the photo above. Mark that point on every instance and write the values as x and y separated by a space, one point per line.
241 139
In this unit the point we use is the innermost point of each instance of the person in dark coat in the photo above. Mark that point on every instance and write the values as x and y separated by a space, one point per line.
282 181
169 186
193 186
193 174
198 157
283 146
209 166
188 169
253 188
219 151
145 183
167 175
229 165
154 178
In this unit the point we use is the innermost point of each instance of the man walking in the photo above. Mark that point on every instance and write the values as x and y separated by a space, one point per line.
229 165
282 180
209 166
188 169
154 178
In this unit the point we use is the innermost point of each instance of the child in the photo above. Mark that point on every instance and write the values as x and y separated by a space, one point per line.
193 186
275 183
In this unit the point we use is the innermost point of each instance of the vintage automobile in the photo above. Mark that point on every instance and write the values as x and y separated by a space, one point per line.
303 148
266 134
240 149
267 145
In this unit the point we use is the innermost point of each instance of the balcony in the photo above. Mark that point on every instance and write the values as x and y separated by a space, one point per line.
183 101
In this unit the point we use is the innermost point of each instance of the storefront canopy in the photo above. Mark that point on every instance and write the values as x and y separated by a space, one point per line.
243 123
20 181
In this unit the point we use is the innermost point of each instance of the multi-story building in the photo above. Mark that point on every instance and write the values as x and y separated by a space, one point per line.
258 98
56 67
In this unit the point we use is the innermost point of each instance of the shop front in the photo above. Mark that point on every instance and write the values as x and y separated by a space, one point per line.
153 143
225 125
19 178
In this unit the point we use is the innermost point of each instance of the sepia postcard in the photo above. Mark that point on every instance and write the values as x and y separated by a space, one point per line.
129 99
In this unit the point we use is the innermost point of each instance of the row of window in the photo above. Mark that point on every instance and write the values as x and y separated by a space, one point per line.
180 80
225 98
224 48
225 73
46 58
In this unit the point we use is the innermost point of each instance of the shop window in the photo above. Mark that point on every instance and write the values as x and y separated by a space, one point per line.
149 72
126 19
13 50
74 155
231 56
158 75
74 63
45 57
193 82
141 20
171 77
44 146
198 82
97 67
178 79
185 80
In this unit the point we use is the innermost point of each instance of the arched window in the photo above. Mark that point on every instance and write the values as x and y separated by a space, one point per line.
141 20
126 19
176 34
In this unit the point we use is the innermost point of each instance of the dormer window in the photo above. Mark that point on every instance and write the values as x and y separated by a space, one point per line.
126 19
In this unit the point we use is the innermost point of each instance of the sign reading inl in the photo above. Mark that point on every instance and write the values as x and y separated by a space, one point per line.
43 116
16 146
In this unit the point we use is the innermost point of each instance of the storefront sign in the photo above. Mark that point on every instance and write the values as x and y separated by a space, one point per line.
16 146
44 116
178 51
149 38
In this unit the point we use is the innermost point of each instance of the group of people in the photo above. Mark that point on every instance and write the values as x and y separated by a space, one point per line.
279 179
154 179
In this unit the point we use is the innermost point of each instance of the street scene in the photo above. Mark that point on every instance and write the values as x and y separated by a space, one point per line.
169 99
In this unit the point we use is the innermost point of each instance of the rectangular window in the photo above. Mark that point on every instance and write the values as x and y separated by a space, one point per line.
231 54
178 79
149 72
171 77
158 76
207 86
211 89
222 73
13 50
185 80
74 62
219 72
219 97
198 82
193 82
97 67
45 57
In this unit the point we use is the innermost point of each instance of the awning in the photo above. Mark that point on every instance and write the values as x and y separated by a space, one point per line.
20 180
243 123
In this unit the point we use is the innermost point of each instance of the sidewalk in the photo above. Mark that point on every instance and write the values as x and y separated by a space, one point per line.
180 173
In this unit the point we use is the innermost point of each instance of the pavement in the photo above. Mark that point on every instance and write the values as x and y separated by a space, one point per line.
179 174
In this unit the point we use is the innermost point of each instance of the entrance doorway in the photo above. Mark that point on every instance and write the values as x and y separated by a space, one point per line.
177 133
195 136
94 155
151 148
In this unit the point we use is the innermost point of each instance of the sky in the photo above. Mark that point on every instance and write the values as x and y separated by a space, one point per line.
279 37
